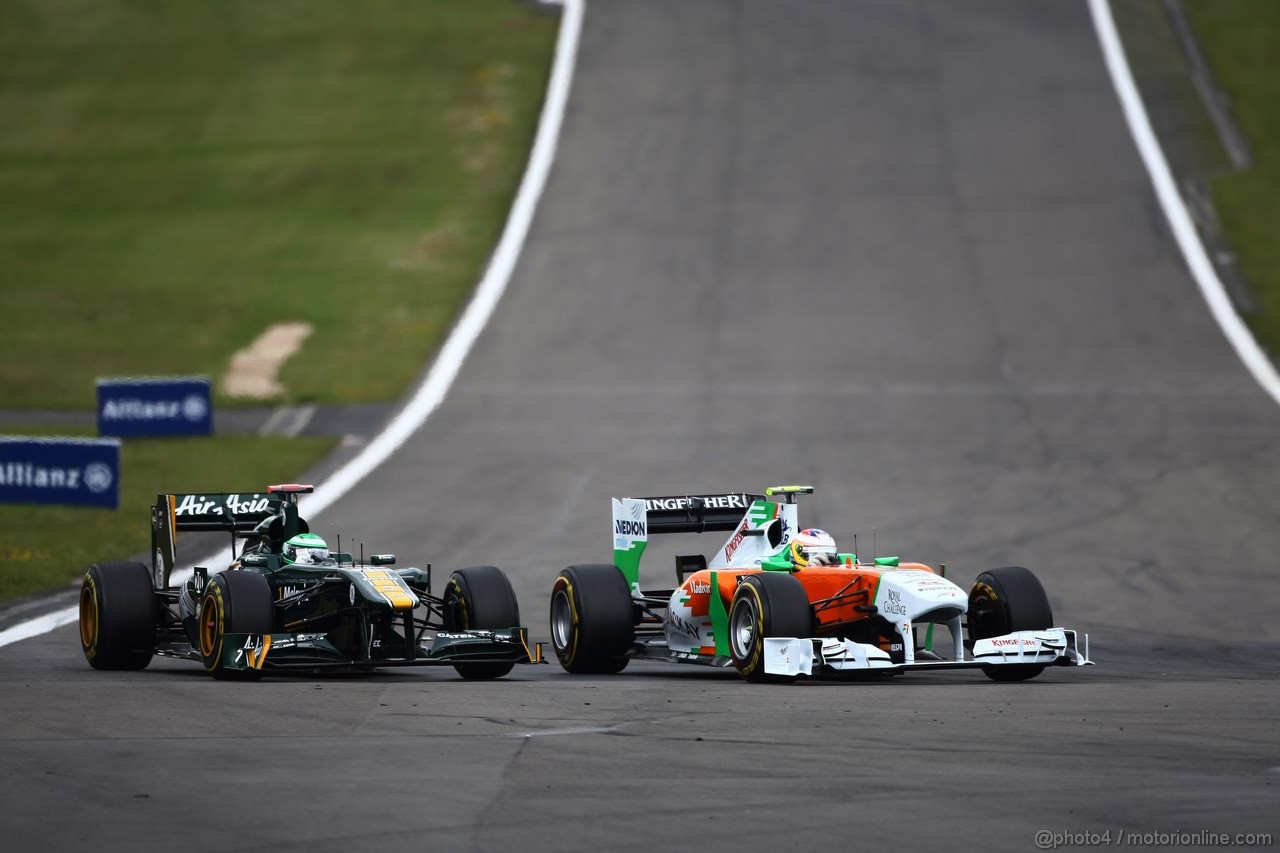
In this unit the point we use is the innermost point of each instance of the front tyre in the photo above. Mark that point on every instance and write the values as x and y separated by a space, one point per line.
593 619
117 616
768 604
234 602
1003 601
476 598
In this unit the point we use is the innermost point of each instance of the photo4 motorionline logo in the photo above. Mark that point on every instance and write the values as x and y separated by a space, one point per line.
1048 840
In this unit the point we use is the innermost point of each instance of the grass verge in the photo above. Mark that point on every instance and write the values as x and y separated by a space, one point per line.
1239 39
176 177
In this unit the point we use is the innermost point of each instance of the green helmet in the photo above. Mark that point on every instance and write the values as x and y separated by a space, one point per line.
306 549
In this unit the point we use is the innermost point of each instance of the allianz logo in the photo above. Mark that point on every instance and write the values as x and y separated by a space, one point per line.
96 477
193 408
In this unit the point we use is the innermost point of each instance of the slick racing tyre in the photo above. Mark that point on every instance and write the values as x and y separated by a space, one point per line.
1006 600
117 616
593 619
769 604
234 602
480 597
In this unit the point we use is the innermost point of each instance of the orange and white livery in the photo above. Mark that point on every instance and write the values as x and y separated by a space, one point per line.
761 605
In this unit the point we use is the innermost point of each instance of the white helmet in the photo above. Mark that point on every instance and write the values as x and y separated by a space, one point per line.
306 549
813 547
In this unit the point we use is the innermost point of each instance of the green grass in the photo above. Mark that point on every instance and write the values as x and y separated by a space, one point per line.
177 176
51 546
1241 40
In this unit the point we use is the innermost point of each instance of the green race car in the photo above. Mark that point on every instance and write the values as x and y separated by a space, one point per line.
287 603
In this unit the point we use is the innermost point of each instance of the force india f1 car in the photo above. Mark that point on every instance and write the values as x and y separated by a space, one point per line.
270 612
752 607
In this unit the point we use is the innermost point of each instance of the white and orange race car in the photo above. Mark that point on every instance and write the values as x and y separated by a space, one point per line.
751 606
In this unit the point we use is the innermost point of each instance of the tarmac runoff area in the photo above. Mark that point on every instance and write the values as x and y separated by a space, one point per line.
907 253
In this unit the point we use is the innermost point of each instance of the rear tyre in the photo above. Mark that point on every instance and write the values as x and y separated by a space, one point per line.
1006 600
234 602
480 597
117 616
768 604
593 619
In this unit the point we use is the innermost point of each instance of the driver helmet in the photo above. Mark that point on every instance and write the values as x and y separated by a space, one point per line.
813 547
306 549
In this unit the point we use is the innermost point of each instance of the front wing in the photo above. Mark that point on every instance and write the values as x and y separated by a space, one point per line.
311 651
832 655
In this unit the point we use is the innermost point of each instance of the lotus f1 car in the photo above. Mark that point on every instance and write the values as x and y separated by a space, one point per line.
269 612
751 607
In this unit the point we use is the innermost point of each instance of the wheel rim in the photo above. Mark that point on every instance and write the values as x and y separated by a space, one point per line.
561 620
88 617
982 612
455 608
208 625
742 628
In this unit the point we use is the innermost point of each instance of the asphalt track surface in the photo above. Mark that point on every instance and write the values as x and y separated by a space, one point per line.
903 251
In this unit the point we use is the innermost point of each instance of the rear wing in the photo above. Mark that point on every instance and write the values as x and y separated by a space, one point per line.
696 513
760 527
272 515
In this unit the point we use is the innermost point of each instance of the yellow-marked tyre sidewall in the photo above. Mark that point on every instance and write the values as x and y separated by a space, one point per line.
753 666
782 609
456 594
481 598
235 602
213 625
90 606
1014 600
601 619
118 615
567 655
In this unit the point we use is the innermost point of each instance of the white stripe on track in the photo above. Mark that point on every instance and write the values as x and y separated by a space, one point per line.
1175 210
431 393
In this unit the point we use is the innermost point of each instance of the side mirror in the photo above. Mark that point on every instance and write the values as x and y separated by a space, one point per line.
382 560
773 533
254 560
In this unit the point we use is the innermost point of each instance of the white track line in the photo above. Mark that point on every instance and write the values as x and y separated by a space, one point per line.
431 393
42 625
1184 230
